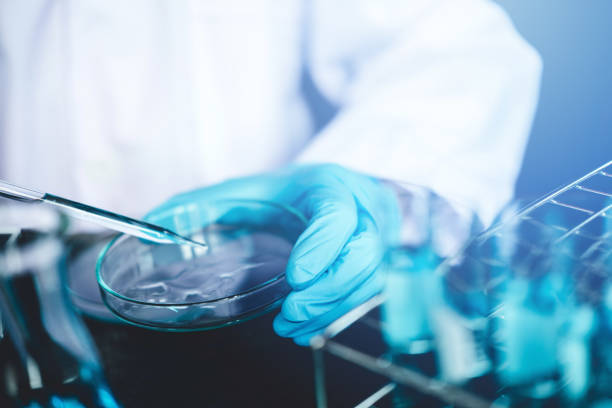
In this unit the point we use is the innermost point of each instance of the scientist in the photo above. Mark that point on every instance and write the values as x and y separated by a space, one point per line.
121 104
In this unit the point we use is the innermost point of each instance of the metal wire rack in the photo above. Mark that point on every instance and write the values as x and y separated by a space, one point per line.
582 216
586 202
575 220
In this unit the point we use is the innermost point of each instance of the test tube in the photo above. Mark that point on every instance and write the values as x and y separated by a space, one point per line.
460 322
535 307
409 272
408 290
601 387
602 347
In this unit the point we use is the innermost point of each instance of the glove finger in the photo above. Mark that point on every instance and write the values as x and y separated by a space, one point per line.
332 215
359 258
377 199
302 332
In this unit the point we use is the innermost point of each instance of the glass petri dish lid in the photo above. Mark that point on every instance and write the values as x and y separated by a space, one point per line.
183 288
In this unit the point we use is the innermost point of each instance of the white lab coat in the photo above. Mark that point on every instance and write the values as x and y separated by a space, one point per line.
122 104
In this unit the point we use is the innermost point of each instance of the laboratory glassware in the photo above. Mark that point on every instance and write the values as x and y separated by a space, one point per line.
576 299
180 288
82 251
55 351
104 218
410 288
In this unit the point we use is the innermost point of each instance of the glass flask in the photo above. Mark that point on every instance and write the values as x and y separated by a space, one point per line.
56 363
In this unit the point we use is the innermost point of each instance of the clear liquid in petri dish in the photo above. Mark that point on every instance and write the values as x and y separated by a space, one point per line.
185 288
180 275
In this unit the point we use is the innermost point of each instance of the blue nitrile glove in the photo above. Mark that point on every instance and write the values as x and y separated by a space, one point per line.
335 263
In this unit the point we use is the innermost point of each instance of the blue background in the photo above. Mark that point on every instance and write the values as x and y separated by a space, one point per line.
572 131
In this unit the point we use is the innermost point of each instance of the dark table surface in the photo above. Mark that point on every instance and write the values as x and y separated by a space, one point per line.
243 365
236 366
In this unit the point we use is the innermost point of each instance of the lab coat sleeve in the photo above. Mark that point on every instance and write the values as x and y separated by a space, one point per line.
436 93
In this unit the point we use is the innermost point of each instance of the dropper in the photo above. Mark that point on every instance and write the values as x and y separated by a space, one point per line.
108 219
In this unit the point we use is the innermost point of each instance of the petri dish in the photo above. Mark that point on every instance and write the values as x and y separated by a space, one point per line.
82 256
183 288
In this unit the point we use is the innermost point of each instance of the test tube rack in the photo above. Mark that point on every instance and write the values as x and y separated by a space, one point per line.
586 204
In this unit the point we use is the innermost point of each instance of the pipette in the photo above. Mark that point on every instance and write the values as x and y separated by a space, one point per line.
108 219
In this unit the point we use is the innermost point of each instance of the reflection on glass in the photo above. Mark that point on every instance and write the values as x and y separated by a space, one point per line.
183 288
56 362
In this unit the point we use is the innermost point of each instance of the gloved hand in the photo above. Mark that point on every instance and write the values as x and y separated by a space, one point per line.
335 263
